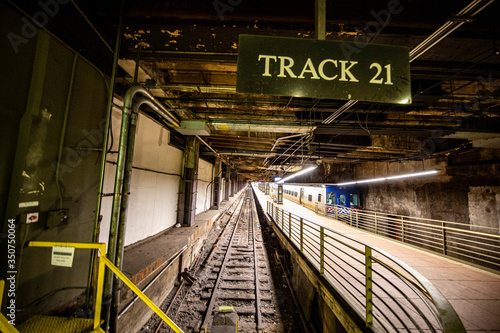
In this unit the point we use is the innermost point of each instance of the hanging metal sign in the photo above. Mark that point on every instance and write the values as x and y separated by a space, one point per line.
296 67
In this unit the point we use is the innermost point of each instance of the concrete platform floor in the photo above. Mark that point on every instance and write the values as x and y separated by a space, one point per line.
473 292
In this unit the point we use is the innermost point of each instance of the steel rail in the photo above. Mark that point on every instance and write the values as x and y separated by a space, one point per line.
258 314
227 255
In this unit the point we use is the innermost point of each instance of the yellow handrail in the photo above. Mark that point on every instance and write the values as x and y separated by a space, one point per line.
100 282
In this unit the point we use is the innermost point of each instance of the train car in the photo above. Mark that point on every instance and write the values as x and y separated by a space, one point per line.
328 196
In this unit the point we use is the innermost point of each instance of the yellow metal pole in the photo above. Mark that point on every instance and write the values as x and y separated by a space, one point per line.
100 287
64 244
290 226
141 295
2 285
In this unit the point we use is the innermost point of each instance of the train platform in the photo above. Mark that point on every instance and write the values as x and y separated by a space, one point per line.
473 292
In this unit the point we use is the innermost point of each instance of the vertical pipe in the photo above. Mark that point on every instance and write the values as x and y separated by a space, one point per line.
113 227
368 283
64 127
97 216
127 175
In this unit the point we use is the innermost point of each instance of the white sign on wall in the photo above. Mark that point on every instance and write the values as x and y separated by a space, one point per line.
62 256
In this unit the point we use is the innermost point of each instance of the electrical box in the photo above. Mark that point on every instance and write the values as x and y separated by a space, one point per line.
57 218
194 127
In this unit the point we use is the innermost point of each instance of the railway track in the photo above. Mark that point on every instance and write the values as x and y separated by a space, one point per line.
235 275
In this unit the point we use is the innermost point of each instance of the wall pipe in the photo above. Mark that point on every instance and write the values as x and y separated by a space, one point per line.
281 139
64 127
127 175
119 180
206 144
92 278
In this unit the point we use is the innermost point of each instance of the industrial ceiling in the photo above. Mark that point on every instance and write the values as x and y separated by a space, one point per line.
187 54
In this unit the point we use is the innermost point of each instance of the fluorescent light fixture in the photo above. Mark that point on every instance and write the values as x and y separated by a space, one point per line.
277 178
371 180
301 172
345 184
408 175
423 173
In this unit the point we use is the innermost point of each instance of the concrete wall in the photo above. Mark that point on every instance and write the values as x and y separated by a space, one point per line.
484 208
153 194
36 112
205 186
446 196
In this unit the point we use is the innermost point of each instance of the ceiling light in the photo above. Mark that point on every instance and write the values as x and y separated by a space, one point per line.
408 175
297 174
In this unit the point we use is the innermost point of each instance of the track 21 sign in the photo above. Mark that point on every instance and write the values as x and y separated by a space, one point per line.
323 69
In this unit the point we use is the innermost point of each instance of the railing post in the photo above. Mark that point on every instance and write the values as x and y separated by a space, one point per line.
376 226
290 226
357 220
322 251
283 220
335 209
368 283
403 229
350 216
443 227
301 234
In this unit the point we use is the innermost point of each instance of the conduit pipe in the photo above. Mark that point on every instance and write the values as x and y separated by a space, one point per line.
206 144
64 127
92 276
281 139
120 170
469 11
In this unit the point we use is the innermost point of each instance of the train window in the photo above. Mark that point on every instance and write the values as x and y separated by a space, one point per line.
331 198
319 197
342 200
310 197
295 193
353 199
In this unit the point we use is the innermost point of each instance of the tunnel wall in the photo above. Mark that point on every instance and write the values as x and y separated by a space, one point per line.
155 181
205 188
454 194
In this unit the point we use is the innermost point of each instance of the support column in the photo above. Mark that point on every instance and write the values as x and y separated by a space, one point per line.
217 183
233 182
228 181
189 184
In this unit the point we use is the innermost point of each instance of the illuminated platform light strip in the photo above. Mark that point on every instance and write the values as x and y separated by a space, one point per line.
301 172
408 175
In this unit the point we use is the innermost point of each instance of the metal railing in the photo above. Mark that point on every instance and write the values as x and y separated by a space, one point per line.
475 244
388 294
103 262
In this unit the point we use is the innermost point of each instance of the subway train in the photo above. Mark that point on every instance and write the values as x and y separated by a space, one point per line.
324 195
